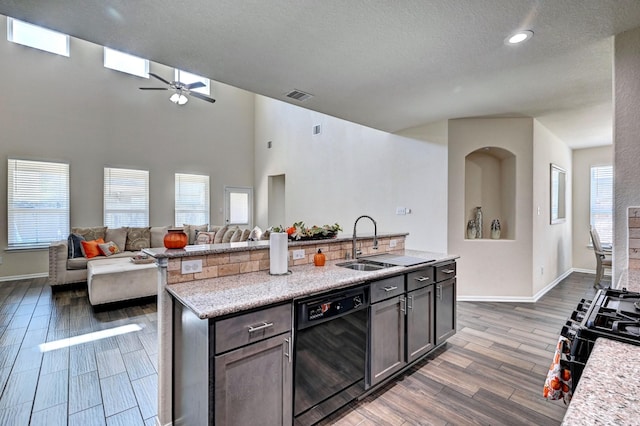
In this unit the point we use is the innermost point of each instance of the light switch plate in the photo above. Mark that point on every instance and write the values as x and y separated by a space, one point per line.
298 254
191 266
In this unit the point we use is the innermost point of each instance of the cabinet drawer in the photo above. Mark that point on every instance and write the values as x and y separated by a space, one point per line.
420 278
252 327
389 287
445 271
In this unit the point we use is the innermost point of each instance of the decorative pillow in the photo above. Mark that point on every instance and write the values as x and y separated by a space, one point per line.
255 234
190 230
92 233
245 234
74 246
205 237
236 236
265 235
229 234
90 249
109 248
157 235
138 238
117 235
220 234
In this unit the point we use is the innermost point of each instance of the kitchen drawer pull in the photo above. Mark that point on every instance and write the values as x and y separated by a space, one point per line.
448 271
390 288
253 329
421 279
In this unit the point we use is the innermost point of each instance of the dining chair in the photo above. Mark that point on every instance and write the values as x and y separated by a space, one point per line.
603 260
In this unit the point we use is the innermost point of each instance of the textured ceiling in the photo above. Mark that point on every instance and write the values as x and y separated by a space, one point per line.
386 64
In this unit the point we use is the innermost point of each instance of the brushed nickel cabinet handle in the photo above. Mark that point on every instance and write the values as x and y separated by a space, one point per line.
288 352
448 271
410 305
390 288
403 303
421 279
439 291
265 325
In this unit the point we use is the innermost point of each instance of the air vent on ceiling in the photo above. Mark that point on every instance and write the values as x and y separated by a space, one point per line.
299 95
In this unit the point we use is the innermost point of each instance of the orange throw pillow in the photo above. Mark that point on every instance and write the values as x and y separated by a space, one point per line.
91 249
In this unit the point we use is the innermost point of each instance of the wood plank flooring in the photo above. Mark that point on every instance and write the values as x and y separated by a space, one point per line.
490 373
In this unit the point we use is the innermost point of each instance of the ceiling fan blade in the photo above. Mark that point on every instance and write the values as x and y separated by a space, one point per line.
153 88
195 85
160 78
203 97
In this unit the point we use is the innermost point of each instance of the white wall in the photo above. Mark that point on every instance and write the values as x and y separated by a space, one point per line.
496 269
552 244
74 110
583 160
349 170
626 140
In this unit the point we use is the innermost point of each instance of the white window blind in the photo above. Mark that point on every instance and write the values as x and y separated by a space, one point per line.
37 37
601 205
124 62
192 199
126 197
37 202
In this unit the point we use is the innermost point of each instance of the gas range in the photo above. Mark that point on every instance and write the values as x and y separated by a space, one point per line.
614 314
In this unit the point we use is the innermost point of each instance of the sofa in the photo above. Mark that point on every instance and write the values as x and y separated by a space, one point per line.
68 266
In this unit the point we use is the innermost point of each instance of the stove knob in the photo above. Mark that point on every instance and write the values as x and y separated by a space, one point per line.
357 301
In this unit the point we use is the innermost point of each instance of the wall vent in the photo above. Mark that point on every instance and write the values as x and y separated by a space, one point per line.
299 95
316 129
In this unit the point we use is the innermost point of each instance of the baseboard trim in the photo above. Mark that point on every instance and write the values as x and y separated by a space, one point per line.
518 299
24 277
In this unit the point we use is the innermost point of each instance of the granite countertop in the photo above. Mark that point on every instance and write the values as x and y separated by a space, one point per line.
629 279
210 298
204 249
609 389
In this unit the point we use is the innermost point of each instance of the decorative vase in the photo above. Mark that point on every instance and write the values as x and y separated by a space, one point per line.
175 239
471 229
495 229
478 222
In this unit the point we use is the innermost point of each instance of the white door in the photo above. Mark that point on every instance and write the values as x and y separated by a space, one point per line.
238 206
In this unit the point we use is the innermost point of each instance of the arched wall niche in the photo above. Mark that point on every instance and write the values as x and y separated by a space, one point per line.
490 183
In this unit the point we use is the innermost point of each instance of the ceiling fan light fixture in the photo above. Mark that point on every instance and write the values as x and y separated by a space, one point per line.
179 98
519 37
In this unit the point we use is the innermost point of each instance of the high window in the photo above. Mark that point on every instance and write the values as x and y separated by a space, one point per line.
238 205
37 203
37 37
192 199
124 62
126 197
601 204
188 78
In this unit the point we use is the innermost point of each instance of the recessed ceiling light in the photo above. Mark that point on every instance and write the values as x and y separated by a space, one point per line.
519 37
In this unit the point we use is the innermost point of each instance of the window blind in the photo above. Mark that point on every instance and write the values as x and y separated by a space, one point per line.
126 197
192 199
601 204
37 202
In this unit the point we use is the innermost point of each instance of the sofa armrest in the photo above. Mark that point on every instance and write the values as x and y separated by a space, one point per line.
58 253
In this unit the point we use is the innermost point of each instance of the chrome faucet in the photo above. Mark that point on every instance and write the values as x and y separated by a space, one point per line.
356 252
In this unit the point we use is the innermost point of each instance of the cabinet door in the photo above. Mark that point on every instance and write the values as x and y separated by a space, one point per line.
253 384
419 322
386 354
445 310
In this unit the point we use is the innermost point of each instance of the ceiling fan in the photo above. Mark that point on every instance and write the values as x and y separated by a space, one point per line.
181 90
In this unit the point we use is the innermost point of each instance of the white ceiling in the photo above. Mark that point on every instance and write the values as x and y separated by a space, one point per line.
387 64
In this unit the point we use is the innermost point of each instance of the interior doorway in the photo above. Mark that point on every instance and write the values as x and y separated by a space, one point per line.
276 212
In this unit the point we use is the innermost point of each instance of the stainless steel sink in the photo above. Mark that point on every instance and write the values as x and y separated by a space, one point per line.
363 265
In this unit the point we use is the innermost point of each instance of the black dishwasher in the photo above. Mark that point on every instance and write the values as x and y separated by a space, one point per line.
330 352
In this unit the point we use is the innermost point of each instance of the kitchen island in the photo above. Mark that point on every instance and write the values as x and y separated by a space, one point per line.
218 301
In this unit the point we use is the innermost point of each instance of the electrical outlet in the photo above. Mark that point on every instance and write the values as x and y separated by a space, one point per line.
191 266
401 210
393 243
298 254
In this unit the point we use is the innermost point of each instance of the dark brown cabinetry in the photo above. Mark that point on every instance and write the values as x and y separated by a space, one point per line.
420 317
233 371
445 302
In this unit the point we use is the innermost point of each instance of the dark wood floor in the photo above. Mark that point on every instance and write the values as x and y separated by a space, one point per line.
490 373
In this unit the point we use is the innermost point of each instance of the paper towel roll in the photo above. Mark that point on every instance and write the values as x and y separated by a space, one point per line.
278 253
